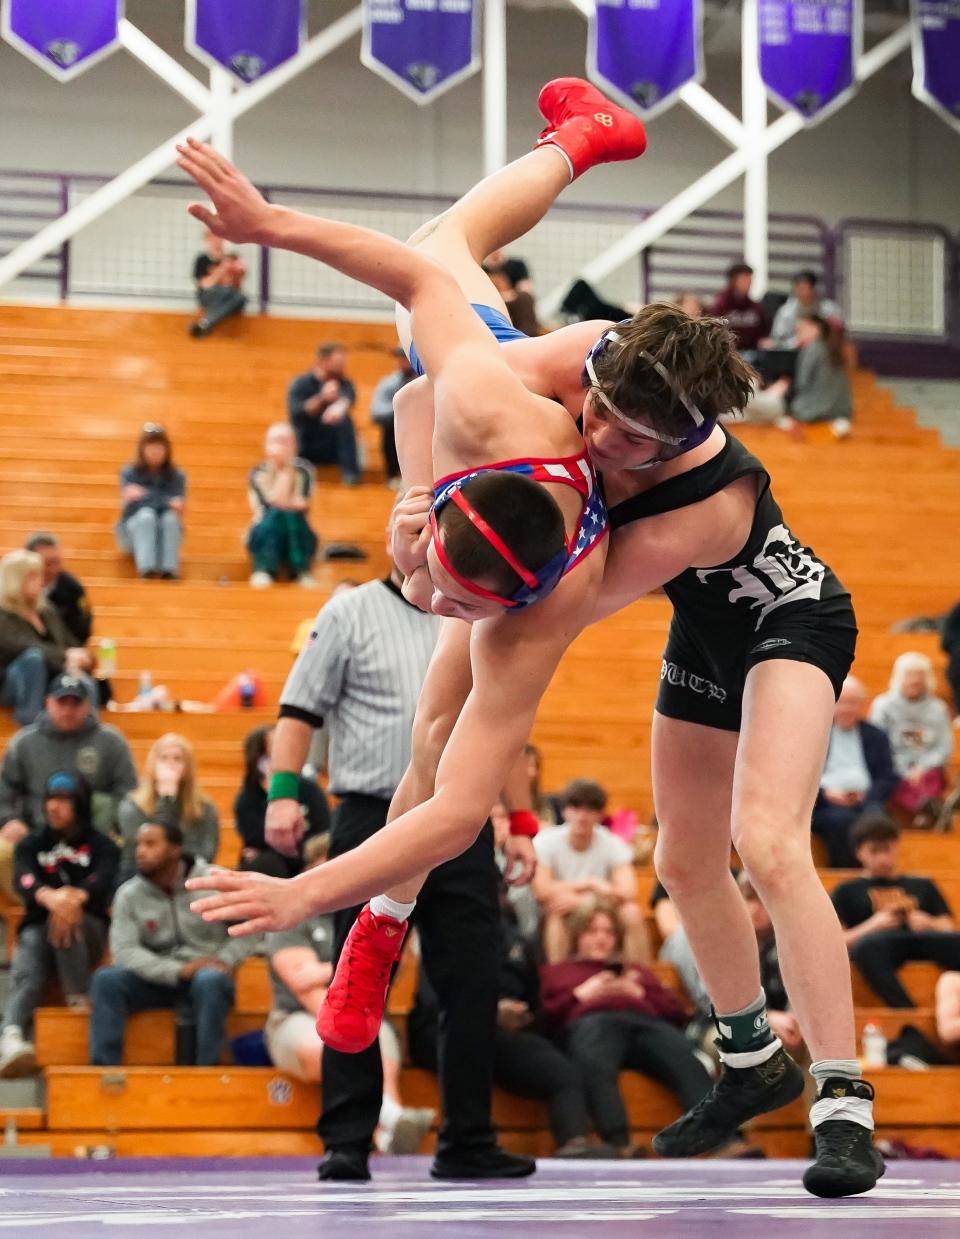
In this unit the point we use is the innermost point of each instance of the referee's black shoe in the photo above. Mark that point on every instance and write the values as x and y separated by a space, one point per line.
492 1163
846 1161
739 1095
345 1165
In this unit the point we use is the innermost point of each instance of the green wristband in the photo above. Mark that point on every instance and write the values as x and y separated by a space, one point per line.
284 786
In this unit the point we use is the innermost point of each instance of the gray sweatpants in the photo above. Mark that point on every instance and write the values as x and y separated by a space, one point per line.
154 538
35 961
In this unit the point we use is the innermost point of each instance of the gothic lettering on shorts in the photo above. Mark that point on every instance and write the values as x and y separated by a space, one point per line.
782 572
680 677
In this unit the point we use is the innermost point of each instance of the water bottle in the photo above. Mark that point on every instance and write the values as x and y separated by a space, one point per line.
246 690
146 684
874 1046
107 657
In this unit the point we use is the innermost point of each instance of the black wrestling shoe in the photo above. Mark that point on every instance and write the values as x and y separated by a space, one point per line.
345 1166
495 1163
740 1094
847 1162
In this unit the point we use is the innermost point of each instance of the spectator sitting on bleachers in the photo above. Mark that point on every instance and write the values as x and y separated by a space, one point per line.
948 1012
950 644
890 917
250 810
33 639
168 794
381 413
62 590
546 806
803 300
300 971
520 304
152 491
820 389
164 955
613 1014
66 736
917 724
218 278
280 538
582 861
526 1062
747 318
319 404
64 873
858 775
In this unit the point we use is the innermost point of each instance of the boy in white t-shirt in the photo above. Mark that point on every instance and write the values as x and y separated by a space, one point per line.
583 860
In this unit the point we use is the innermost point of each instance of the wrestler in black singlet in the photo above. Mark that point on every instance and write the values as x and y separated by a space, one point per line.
774 599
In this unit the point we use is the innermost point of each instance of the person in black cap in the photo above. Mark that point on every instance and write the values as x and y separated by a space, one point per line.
66 736
64 873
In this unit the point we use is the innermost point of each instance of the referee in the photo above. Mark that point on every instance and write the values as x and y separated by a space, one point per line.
360 673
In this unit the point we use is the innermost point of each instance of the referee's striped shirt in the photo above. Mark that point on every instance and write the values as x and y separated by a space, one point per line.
360 672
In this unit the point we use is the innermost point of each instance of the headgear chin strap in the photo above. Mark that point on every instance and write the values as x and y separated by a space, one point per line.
674 445
535 585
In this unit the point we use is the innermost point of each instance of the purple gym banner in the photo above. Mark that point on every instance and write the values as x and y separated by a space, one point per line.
65 37
936 57
423 47
808 53
642 52
248 37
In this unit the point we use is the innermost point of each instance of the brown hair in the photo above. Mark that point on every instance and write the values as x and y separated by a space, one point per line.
830 334
873 828
584 794
152 433
522 513
700 354
579 921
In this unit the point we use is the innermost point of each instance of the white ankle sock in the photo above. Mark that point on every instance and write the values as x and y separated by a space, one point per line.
383 905
852 1109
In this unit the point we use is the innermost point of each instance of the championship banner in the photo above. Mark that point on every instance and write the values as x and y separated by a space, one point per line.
63 36
423 47
642 52
248 37
936 57
808 53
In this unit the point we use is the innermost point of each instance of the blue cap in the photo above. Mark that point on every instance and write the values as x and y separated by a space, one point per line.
63 783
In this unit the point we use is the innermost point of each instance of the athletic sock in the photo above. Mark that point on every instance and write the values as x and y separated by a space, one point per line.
746 1039
850 1107
390 1112
383 905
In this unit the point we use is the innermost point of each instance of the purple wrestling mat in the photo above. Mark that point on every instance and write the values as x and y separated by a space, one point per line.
281 1198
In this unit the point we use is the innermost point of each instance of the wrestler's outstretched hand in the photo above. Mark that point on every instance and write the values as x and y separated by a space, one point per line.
241 210
258 903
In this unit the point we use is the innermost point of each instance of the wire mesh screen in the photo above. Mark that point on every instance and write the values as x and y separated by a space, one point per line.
894 280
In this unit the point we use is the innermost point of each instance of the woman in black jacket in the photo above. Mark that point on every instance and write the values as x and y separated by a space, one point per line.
250 811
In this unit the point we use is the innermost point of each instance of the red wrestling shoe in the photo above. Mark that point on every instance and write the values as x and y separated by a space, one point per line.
586 126
350 1017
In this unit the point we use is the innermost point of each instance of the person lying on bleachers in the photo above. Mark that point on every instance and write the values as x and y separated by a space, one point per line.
948 1012
164 955
300 971
64 873
581 861
917 724
525 1062
612 1014
66 736
858 775
168 793
891 918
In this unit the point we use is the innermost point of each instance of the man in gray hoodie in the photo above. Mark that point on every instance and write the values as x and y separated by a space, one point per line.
163 954
67 735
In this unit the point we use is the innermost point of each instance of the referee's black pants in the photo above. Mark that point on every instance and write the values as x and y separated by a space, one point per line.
457 918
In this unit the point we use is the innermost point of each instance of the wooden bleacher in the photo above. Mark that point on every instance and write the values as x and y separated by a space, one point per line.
881 507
